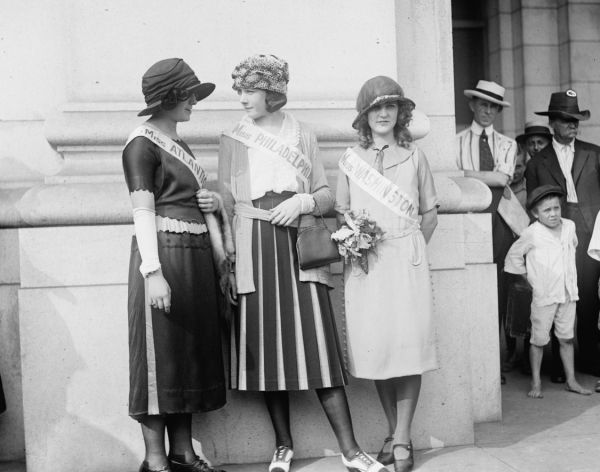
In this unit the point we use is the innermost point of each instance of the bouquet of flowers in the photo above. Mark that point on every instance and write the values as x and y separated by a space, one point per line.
357 236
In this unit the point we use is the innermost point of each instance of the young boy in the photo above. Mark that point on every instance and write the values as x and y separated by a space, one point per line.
545 254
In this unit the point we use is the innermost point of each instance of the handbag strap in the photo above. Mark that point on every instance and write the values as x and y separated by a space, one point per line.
320 215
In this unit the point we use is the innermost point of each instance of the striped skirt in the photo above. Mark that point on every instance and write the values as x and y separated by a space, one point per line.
285 336
175 359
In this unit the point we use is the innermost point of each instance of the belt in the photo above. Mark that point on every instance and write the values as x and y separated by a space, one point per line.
417 242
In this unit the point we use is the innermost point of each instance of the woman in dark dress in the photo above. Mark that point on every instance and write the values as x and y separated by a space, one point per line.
2 400
286 339
176 364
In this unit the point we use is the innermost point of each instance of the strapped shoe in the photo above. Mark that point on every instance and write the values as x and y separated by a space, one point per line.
404 465
282 459
362 462
198 465
386 458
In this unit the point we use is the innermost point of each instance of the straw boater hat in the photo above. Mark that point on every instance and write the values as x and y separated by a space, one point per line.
377 91
534 128
564 105
167 75
490 91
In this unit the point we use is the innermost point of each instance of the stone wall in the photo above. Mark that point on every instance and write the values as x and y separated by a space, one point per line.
65 217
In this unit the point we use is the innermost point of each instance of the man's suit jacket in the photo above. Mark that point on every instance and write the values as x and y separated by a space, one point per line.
544 169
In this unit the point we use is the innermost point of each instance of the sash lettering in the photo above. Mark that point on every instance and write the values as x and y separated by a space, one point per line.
379 187
252 136
174 149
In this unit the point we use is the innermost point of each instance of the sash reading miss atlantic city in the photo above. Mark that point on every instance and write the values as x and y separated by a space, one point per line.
170 146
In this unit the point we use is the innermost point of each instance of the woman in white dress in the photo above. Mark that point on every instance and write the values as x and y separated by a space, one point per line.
389 309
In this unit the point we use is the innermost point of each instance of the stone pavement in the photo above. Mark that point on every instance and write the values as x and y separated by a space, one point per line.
559 433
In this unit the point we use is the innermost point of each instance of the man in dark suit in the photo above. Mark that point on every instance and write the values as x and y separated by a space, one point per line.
574 165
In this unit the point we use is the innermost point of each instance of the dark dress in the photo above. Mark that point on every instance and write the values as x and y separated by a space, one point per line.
175 359
2 400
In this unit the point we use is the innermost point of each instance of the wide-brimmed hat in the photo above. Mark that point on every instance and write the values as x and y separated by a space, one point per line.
376 91
564 104
262 71
542 191
167 75
534 128
490 91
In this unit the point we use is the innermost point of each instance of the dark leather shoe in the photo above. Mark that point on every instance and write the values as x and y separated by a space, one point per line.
198 465
145 468
404 465
386 458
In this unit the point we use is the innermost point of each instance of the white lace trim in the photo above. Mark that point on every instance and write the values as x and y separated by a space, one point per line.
171 225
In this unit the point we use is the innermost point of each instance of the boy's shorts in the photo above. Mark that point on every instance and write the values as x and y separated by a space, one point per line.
542 317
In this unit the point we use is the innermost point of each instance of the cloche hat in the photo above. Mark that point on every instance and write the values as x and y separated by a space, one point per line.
534 128
376 91
167 75
564 104
262 71
490 91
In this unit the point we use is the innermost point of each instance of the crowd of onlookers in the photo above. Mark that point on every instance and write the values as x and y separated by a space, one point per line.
548 270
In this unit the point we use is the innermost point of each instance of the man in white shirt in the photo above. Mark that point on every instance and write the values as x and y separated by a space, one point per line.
574 166
489 156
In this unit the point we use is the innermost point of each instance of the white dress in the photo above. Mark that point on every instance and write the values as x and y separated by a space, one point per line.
389 330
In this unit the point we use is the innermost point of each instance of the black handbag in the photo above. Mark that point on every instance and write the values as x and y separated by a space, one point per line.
314 245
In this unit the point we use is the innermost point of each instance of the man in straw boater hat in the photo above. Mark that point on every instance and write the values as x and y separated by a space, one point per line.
489 156
574 166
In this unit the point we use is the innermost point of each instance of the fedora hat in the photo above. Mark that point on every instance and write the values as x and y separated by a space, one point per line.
377 91
490 91
564 104
170 75
534 128
543 191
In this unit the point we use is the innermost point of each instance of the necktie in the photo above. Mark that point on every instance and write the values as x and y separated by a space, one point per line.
379 159
486 160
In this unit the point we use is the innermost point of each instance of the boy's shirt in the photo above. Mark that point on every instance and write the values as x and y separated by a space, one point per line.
548 261
594 246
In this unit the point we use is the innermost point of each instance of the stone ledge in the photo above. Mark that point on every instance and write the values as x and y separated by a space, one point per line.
90 136
101 203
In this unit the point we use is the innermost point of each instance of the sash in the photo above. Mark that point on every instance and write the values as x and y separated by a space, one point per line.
375 184
252 136
512 212
171 147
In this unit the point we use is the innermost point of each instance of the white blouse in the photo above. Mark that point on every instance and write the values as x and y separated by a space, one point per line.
548 261
269 173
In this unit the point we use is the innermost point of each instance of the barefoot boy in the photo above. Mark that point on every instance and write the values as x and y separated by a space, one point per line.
545 254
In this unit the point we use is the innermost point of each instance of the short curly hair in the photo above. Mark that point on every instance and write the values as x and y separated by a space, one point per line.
401 133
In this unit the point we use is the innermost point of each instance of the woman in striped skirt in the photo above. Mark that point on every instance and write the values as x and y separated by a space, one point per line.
285 334
175 357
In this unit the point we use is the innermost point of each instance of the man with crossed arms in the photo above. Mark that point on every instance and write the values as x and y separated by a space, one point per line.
489 156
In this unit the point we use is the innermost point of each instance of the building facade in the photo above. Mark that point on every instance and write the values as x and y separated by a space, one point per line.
71 86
